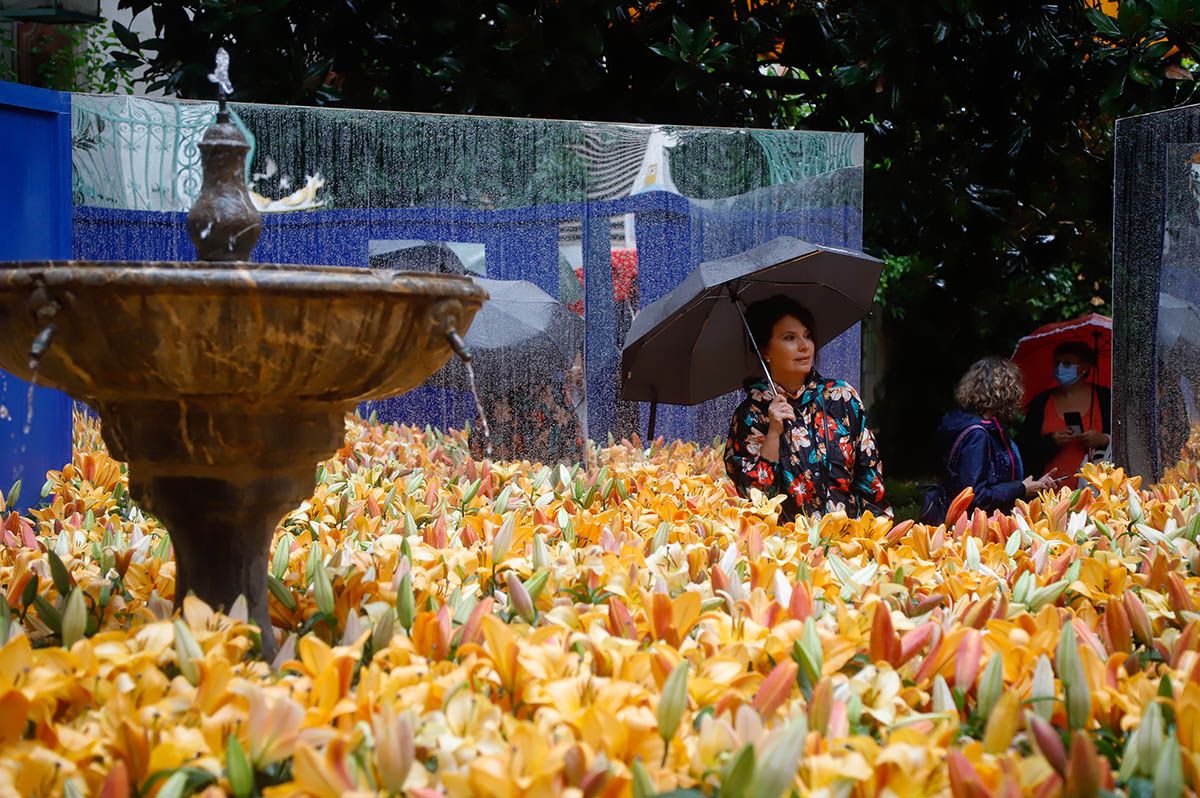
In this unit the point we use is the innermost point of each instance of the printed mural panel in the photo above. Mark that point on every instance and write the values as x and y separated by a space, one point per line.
603 218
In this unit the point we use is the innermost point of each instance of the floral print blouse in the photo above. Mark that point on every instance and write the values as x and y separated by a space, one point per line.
827 456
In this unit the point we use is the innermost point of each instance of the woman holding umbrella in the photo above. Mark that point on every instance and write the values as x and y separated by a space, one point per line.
1067 368
521 343
1064 424
798 434
801 435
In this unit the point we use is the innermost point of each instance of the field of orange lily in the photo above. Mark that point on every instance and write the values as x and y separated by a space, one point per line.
463 628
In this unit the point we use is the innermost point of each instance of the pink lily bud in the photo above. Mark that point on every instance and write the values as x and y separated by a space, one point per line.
519 596
776 688
966 665
915 640
1083 774
964 779
1048 742
1139 619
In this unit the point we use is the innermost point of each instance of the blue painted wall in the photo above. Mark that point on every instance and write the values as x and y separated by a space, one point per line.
35 224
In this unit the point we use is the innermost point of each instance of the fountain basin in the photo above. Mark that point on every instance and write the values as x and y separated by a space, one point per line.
223 385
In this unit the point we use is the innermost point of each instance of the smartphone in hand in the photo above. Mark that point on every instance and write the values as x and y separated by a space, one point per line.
1074 422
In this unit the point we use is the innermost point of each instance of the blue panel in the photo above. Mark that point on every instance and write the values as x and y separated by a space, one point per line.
601 353
525 252
35 224
673 237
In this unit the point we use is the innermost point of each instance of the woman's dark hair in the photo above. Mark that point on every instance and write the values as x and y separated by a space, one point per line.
992 386
1077 348
762 316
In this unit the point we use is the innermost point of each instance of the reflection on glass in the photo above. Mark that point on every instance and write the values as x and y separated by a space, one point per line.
444 257
602 218
1178 332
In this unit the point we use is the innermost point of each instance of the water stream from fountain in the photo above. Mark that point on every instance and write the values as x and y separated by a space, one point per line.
483 422
25 429
29 401
36 350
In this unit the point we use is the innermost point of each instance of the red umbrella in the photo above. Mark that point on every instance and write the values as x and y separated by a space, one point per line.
1035 352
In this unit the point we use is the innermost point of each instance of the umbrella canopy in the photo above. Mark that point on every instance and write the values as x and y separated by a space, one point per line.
692 345
427 256
1035 352
570 287
521 333
1178 324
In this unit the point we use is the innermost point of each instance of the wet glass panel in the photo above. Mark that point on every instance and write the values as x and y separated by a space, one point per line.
1150 215
599 219
1178 331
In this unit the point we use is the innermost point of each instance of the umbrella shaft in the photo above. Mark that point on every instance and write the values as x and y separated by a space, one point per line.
753 344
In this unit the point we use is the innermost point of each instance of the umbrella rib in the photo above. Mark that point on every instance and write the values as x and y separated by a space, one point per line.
692 354
661 328
1067 328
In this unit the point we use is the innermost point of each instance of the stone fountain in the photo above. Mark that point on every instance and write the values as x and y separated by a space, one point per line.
222 383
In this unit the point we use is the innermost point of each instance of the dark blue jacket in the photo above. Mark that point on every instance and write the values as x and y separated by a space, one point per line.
986 460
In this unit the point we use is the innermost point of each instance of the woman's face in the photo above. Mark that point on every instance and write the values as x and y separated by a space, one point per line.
789 353
1070 368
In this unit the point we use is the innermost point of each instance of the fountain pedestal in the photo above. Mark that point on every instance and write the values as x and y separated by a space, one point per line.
220 474
224 385
221 530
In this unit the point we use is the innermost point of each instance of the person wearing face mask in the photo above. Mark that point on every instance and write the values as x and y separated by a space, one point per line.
1067 424
806 436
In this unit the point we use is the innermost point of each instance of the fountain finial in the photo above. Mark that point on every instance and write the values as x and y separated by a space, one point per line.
223 223
220 76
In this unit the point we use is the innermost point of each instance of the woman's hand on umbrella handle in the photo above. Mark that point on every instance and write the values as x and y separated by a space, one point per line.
780 411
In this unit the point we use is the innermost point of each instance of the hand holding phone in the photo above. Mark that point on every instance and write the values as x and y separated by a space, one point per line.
1052 479
1035 486
1074 422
